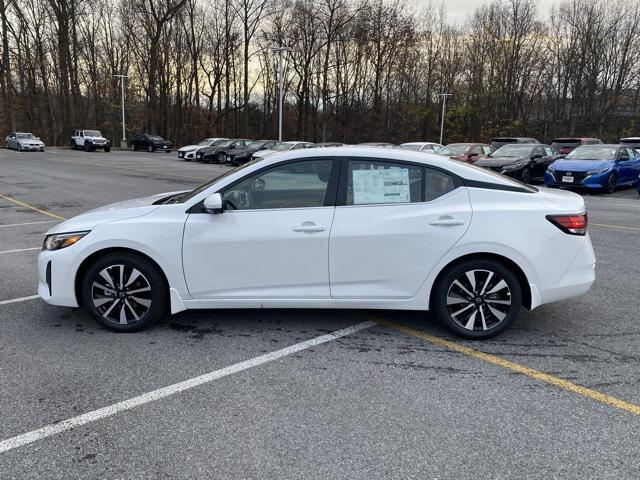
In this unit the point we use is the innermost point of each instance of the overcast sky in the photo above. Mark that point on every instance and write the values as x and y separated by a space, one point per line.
459 10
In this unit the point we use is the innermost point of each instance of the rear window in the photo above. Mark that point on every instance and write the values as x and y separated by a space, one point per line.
559 143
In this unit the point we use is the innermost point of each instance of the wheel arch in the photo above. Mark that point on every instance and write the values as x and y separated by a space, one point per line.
525 286
87 262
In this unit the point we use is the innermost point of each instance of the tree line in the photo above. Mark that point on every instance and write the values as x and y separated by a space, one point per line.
360 70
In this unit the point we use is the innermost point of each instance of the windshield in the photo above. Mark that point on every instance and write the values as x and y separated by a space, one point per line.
454 149
565 143
205 143
411 147
189 195
515 151
256 145
26 136
92 133
155 137
283 146
592 153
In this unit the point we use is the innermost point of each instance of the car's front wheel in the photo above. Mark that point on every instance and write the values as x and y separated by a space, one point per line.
150 149
477 299
525 176
132 147
125 292
611 183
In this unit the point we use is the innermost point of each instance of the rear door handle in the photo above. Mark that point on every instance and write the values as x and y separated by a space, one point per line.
309 228
446 221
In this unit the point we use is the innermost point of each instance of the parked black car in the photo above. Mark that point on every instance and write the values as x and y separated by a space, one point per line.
500 141
149 142
521 161
218 153
243 154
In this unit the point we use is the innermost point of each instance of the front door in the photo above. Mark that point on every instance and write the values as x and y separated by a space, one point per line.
272 241
398 220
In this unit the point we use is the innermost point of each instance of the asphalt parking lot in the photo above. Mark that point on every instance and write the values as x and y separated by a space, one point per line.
555 396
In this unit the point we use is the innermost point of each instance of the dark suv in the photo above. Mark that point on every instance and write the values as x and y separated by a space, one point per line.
567 145
149 142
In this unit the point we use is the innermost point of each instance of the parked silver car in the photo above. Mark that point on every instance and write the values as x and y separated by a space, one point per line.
23 141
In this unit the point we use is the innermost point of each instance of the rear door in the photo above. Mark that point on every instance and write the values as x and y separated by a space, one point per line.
393 223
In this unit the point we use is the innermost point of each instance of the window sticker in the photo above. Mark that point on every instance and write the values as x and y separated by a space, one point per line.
389 185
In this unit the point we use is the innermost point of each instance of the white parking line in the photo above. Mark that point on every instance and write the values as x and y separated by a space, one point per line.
21 250
27 223
63 426
16 300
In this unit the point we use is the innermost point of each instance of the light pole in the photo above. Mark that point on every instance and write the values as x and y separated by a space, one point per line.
444 104
123 142
280 51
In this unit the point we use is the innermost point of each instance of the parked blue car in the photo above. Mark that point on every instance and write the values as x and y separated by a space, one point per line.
598 167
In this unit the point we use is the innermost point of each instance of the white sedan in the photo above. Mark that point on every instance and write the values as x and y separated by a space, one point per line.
371 228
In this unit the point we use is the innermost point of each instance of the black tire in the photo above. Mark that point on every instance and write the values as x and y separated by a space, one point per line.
150 148
19 148
525 175
149 305
87 148
167 151
107 149
611 183
490 316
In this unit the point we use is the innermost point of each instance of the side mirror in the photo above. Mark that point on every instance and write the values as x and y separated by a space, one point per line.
213 203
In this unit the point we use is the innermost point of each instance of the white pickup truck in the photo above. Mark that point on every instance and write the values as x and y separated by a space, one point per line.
89 140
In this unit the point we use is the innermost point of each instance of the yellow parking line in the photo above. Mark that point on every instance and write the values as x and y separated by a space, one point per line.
614 226
31 207
515 367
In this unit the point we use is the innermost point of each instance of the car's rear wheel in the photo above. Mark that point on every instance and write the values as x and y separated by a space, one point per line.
477 299
611 183
107 149
525 176
125 292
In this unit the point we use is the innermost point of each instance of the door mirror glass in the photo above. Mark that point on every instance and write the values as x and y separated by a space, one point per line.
213 203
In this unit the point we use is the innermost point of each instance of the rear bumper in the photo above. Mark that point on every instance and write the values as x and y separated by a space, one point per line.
577 278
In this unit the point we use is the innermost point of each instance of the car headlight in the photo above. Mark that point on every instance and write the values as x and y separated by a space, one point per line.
62 240
599 170
551 170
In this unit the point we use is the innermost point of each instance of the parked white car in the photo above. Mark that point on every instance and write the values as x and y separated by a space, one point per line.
188 152
427 147
24 141
282 147
343 227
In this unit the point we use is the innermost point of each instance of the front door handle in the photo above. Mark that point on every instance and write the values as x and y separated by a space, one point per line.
308 227
446 221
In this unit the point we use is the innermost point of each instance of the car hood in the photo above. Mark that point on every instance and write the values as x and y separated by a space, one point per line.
31 142
161 142
498 161
95 138
236 152
264 153
136 207
188 148
216 149
580 165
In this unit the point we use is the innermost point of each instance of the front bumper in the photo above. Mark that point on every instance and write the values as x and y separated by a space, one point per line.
187 155
32 148
56 278
580 180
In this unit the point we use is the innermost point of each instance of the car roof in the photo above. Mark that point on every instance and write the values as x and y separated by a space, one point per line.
630 139
573 139
419 143
600 145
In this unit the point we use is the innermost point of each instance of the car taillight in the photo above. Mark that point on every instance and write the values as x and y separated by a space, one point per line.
571 224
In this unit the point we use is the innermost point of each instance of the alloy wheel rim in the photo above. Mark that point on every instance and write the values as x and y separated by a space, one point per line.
478 300
121 294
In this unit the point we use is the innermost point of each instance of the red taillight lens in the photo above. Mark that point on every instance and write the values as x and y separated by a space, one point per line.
571 224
